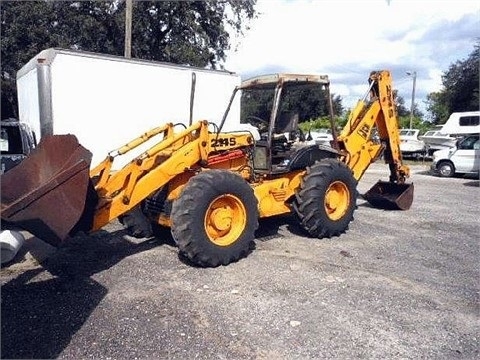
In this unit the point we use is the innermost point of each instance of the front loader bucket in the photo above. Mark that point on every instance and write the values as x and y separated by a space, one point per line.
390 196
46 194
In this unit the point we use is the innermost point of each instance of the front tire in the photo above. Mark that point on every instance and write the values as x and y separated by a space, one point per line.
446 169
326 199
215 218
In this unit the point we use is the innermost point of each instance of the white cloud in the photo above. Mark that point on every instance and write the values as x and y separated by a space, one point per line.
346 39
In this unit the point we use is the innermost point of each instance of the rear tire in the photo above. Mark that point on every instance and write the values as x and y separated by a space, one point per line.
326 199
214 219
136 223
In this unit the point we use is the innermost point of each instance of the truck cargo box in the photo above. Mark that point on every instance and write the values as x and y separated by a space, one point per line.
107 100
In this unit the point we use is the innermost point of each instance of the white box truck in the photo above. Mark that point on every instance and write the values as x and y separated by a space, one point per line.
106 101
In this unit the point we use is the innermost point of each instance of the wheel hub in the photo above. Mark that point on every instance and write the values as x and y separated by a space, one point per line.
222 218
225 220
445 170
337 200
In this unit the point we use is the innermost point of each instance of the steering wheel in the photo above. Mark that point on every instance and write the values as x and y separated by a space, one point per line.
260 123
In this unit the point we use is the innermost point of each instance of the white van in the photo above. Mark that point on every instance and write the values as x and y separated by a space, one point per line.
464 158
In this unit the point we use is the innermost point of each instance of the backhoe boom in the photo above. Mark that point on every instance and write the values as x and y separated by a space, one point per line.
355 141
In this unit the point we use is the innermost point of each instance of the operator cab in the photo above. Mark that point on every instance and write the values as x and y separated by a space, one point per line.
273 105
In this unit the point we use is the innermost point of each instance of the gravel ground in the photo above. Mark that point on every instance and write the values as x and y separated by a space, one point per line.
397 285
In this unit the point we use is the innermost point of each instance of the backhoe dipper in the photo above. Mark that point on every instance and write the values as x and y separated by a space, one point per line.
211 186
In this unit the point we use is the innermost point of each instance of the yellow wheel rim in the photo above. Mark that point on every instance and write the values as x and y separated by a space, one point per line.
225 220
337 200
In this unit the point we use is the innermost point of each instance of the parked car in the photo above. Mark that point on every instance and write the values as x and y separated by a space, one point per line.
410 145
464 158
17 140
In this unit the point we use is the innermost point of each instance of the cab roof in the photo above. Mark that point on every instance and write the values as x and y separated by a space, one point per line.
270 81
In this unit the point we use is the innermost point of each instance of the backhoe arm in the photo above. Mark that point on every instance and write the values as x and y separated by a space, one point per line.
355 142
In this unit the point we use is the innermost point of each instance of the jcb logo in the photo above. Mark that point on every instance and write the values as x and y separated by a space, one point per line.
363 131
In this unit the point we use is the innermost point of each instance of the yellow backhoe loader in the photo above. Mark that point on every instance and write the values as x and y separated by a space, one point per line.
211 186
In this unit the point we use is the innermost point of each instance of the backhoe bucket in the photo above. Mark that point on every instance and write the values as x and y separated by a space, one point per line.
46 194
390 196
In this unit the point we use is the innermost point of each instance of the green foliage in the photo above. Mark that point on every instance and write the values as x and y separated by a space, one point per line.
340 121
323 123
460 88
257 103
402 110
183 32
400 104
438 107
310 102
417 123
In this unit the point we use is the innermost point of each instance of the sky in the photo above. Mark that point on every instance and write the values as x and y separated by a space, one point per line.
346 39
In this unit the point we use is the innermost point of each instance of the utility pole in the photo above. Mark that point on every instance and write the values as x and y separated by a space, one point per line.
128 29
414 75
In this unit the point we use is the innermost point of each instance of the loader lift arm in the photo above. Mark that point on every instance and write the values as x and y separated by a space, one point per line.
186 151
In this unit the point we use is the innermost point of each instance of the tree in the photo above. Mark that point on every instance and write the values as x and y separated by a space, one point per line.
310 102
184 32
437 106
460 88
400 104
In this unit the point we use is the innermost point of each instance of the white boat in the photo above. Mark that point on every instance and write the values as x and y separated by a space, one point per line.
410 145
445 136
435 139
